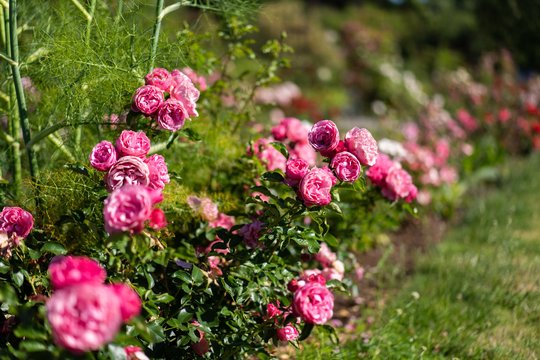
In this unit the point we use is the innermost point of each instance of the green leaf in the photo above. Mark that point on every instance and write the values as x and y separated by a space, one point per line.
281 148
197 275
191 134
32 346
262 189
54 248
116 352
156 332
306 331
30 332
18 279
335 207
4 268
164 298
272 176
331 240
184 316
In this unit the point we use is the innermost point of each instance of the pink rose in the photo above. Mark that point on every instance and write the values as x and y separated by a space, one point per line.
133 144
148 100
361 144
157 219
315 188
413 192
251 233
295 130
268 155
103 156
304 151
160 78
130 302
84 317
295 170
129 170
128 208
159 173
195 78
223 221
287 333
272 311
330 173
340 148
346 166
67 271
325 256
185 91
172 115
398 183
279 132
135 353
16 222
378 172
205 207
324 136
335 272
314 303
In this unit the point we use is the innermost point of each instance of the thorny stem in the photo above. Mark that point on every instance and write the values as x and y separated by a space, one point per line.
19 91
155 35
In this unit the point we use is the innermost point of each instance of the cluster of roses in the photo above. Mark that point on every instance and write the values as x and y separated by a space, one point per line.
168 97
395 182
346 159
134 180
15 225
84 313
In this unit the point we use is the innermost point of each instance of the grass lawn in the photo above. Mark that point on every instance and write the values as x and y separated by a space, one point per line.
474 296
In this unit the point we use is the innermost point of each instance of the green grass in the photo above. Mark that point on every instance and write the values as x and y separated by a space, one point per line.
474 296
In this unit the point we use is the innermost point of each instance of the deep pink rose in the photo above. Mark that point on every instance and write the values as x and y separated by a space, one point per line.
315 188
159 173
251 233
279 132
160 78
223 221
346 166
202 346
128 208
185 91
295 170
268 155
313 275
16 222
324 136
148 99
314 303
133 143
129 170
272 311
130 302
67 271
287 333
325 256
340 148
378 172
413 192
398 183
157 219
135 353
361 144
172 115
103 156
84 317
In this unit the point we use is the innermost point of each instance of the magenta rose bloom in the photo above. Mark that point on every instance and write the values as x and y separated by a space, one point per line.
324 136
16 222
135 353
314 303
251 233
133 144
268 155
272 311
287 333
103 156
413 192
172 115
129 170
346 166
130 302
325 256
159 173
160 78
128 208
157 219
361 144
185 91
295 170
223 221
378 172
398 184
148 100
67 271
315 188
84 317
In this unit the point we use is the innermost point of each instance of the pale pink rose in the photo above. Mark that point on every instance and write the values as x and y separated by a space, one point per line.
251 233
133 144
159 173
287 333
223 221
130 302
361 144
423 197
295 130
295 170
315 188
330 173
325 256
160 78
314 303
268 155
455 129
398 184
335 272
346 166
135 353
157 219
129 170
6 245
67 271
172 115
84 317
205 207
378 172
411 131
185 91
16 222
128 208
324 136
103 156
214 263
304 151
195 78
442 152
448 174
359 272
148 100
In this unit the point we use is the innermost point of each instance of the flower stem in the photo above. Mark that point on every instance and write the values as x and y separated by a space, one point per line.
155 35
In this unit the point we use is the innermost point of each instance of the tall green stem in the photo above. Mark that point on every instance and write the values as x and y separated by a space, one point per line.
155 35
19 91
